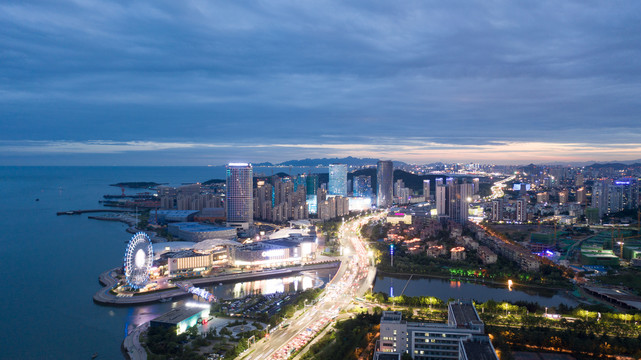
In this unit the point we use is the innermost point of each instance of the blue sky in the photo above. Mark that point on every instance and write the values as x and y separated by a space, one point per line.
206 82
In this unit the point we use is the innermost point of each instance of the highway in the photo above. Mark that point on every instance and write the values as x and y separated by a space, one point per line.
497 188
352 279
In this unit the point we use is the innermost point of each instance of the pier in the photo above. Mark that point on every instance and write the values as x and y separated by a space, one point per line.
78 212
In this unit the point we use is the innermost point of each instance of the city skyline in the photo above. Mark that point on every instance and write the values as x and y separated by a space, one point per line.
207 83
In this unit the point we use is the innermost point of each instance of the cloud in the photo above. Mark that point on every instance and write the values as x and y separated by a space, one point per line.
345 73
413 151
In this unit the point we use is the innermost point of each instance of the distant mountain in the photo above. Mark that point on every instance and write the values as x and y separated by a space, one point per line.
351 161
263 164
616 165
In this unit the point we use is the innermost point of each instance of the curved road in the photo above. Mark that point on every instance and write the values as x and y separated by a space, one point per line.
352 279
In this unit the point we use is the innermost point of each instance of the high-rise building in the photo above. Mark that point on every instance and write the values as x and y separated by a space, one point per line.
459 196
600 196
477 185
362 186
497 210
426 189
441 198
542 197
337 180
563 196
521 210
385 186
239 197
580 196
312 193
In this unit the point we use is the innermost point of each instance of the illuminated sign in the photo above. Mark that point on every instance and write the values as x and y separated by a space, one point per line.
202 293
273 253
391 249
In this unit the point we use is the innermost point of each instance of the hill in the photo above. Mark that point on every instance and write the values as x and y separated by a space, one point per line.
351 161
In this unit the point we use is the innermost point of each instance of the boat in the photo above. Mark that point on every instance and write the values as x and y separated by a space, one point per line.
95 355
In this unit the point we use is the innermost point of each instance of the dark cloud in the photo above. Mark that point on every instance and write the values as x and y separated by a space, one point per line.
324 72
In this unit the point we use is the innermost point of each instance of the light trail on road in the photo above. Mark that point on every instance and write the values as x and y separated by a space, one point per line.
350 281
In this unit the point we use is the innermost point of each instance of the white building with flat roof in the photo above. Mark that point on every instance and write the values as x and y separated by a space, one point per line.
437 341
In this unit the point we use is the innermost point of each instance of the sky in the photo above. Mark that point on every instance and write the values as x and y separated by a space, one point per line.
192 82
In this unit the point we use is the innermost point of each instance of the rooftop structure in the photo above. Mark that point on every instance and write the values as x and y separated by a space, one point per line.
182 318
167 216
192 231
461 338
479 348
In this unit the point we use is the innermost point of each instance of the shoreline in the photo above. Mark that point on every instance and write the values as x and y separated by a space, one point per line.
104 297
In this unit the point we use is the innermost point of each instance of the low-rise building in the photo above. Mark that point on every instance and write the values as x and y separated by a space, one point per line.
457 253
398 218
436 251
486 255
432 341
181 318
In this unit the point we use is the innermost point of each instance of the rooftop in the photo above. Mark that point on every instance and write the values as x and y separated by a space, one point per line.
174 316
475 350
391 316
464 313
198 227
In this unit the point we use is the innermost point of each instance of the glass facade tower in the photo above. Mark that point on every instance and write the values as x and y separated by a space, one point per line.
384 183
239 197
338 179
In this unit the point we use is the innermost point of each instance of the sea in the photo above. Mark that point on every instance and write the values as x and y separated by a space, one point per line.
51 263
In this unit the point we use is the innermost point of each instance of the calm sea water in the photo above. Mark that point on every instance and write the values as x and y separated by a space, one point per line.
51 263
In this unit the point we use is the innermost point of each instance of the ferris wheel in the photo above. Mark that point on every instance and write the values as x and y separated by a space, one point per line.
139 257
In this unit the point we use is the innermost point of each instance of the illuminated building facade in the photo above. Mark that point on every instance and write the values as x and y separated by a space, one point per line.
312 193
362 186
278 252
426 189
337 179
384 183
239 197
441 198
181 318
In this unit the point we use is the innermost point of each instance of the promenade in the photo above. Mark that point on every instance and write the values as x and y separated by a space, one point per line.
108 280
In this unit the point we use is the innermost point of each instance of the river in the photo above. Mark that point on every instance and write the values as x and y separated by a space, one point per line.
445 289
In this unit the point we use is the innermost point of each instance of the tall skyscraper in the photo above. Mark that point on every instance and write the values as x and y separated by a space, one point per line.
312 193
521 210
337 179
239 197
459 199
441 198
477 185
497 210
600 196
580 196
426 190
362 186
385 186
